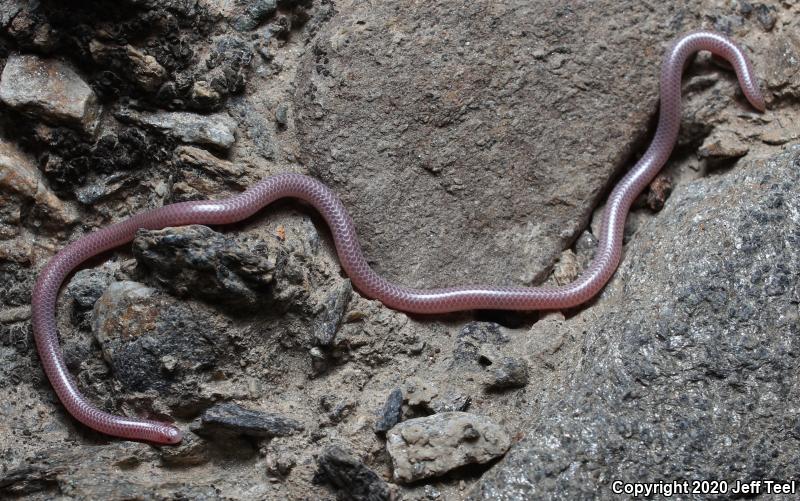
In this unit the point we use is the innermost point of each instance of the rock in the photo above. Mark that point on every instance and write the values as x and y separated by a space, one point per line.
143 68
204 96
336 409
279 463
255 126
199 262
567 269
781 131
431 446
504 371
722 145
463 145
117 297
282 115
782 63
50 89
98 188
231 419
13 315
209 165
333 309
137 329
21 179
472 338
765 14
256 12
428 396
216 130
690 350
391 413
351 479
659 191
87 286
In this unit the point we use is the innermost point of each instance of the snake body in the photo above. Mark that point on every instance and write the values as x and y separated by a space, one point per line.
372 285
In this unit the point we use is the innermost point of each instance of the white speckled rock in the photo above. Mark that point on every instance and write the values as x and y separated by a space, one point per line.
50 89
433 445
211 130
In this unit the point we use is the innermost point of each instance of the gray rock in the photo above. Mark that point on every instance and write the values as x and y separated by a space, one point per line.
218 130
688 368
9 9
506 372
279 463
256 12
87 286
282 115
432 397
232 419
440 116
391 413
199 262
781 73
50 89
101 187
333 309
472 340
431 446
140 333
349 476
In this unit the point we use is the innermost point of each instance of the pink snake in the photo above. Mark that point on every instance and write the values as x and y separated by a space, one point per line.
372 285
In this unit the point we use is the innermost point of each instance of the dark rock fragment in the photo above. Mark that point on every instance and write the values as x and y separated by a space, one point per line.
350 477
197 261
334 307
256 12
232 419
391 413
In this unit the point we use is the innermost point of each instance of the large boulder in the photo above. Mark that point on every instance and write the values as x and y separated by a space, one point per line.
471 140
689 369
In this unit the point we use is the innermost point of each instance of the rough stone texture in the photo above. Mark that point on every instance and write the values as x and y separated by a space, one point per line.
197 261
434 397
133 326
506 372
144 68
690 359
20 180
49 88
334 307
299 351
434 121
431 446
93 472
217 131
232 419
254 12
391 413
349 476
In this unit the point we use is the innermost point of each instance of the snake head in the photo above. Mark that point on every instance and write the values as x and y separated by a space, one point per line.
168 435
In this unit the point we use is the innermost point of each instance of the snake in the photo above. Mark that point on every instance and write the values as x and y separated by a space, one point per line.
352 259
